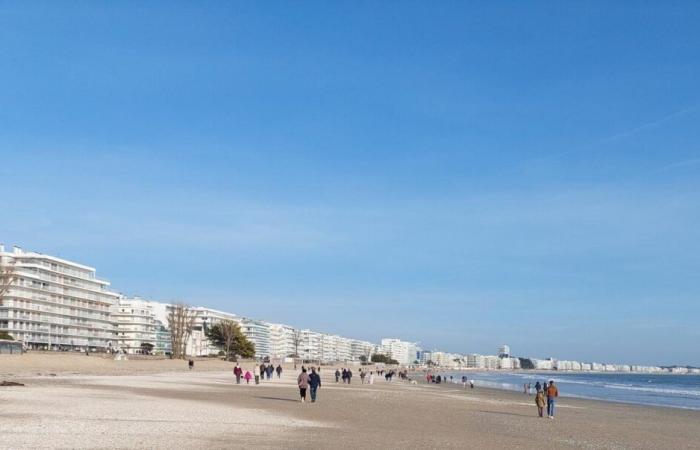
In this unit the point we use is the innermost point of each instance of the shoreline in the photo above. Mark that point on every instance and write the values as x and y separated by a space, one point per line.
46 366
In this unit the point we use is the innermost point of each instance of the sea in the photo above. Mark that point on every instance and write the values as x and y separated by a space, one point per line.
676 391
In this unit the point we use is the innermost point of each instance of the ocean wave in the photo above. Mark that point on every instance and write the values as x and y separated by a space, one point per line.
653 390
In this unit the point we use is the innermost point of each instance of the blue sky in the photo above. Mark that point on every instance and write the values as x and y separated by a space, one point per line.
460 174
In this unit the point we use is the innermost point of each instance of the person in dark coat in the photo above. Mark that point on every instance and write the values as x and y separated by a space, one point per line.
314 384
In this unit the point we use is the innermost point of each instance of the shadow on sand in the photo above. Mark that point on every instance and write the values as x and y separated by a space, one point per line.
507 413
277 398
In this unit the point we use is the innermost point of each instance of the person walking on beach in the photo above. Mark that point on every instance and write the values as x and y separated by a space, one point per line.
540 401
191 364
362 376
279 371
337 375
237 371
256 373
371 378
552 394
303 383
247 377
349 375
314 384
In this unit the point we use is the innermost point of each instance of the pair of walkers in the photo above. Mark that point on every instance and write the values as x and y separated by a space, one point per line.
311 381
546 396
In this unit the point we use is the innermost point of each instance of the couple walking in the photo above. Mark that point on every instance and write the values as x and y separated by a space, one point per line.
546 396
310 381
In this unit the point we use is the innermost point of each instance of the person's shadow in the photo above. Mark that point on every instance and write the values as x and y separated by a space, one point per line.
277 398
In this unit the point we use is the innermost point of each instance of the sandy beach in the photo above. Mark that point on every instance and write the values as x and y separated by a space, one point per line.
74 401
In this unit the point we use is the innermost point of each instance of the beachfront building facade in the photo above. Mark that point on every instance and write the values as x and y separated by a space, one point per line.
198 343
258 333
447 360
135 325
282 340
310 348
361 349
55 304
475 361
404 352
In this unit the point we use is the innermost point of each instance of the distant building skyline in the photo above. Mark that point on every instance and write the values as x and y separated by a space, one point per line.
125 324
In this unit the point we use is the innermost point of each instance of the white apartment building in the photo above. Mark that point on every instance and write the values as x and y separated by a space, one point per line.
444 359
136 325
361 348
258 333
403 352
198 343
476 361
543 364
492 362
56 304
310 346
281 340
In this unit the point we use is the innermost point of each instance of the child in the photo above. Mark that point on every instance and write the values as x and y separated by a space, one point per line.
247 377
540 401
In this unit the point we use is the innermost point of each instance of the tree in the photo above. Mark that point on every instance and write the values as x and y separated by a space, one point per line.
296 339
379 358
7 277
363 359
146 348
180 323
228 335
5 335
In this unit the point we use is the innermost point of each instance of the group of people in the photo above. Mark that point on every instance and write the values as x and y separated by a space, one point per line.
546 396
437 378
261 372
346 375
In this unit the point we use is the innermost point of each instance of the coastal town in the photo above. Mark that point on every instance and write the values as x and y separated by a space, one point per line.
49 303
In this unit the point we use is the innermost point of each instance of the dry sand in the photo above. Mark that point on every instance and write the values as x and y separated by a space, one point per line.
142 408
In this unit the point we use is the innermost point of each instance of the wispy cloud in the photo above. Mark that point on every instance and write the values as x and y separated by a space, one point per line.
680 164
620 135
647 126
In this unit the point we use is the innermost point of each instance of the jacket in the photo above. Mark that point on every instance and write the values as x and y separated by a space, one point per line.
540 400
303 380
314 380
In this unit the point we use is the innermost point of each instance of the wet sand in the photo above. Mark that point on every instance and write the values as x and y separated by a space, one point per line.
140 408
